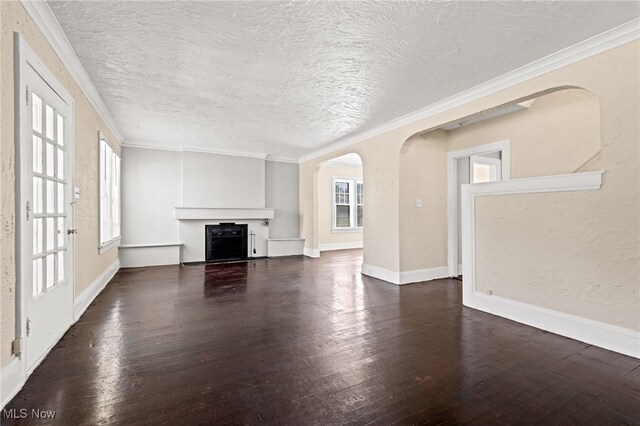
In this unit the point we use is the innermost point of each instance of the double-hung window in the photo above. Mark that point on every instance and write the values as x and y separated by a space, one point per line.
348 203
109 195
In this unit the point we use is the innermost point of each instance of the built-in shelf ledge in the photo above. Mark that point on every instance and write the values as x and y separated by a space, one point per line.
199 213
126 246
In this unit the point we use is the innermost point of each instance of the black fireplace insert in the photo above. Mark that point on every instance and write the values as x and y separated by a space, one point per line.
226 241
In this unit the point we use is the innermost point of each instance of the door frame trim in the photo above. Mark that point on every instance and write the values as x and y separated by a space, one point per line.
453 204
25 57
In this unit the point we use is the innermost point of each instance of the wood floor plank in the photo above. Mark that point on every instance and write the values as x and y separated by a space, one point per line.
311 341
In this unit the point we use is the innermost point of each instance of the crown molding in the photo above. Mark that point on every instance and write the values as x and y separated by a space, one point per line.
279 159
48 25
339 164
607 40
181 148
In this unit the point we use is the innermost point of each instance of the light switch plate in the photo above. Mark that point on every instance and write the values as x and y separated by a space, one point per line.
76 192
418 202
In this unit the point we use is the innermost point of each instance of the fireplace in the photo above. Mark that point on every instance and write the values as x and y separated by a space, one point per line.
226 241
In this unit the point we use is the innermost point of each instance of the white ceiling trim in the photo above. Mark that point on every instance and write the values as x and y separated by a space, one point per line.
211 151
47 24
590 47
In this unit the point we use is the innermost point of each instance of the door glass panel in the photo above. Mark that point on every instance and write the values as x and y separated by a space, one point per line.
61 232
51 228
60 171
38 236
60 197
38 279
49 122
60 130
50 196
37 154
37 113
50 160
50 270
37 195
60 266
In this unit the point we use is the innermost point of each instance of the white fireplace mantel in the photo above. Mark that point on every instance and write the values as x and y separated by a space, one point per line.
203 213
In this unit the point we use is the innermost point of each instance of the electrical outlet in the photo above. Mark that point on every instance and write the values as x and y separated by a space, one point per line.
419 202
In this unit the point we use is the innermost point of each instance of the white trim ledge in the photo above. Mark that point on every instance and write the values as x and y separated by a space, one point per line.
103 248
82 302
341 246
600 334
126 246
596 333
200 213
313 253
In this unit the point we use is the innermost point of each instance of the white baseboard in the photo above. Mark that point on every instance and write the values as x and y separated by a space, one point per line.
85 298
596 333
405 277
11 381
419 275
311 252
341 246
383 274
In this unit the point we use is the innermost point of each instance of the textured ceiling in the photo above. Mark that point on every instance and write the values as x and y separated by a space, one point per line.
287 78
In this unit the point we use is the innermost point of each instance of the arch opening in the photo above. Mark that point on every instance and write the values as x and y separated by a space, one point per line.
339 209
553 132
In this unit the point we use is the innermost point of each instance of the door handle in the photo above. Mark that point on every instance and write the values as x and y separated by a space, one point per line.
72 231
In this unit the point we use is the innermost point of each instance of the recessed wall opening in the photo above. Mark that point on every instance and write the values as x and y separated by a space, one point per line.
340 203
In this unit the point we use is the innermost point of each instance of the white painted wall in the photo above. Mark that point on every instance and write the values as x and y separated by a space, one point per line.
155 181
223 181
151 188
281 193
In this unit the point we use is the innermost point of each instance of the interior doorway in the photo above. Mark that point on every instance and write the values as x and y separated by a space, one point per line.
479 164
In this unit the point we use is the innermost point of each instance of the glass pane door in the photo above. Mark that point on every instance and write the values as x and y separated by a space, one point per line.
49 191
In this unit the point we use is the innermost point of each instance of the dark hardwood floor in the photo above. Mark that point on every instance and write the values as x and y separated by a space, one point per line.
302 341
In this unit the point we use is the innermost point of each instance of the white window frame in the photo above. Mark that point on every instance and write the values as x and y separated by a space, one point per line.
110 195
352 204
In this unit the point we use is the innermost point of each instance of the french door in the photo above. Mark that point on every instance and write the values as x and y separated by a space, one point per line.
46 215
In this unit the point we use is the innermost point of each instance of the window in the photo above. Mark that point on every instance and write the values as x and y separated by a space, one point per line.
348 203
109 194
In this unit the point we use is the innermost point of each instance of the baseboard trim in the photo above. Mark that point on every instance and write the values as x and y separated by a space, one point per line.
383 274
405 277
419 275
11 381
341 246
82 302
607 336
314 253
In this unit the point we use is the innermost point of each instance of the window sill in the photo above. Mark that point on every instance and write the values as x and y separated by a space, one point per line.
103 248
345 230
